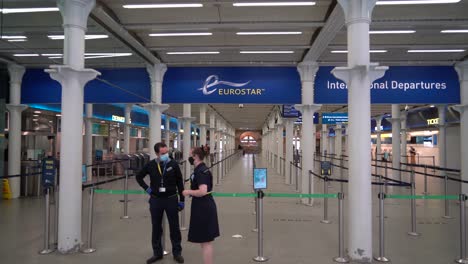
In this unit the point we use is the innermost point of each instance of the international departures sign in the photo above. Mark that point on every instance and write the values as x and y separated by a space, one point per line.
255 85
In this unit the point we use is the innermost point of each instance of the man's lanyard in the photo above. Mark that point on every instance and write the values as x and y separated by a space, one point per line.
161 173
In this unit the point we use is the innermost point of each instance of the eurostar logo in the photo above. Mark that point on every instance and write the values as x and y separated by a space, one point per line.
213 80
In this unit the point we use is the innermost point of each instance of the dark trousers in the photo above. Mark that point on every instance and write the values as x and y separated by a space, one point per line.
157 207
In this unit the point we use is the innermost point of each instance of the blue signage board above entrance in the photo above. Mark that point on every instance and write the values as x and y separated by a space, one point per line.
290 111
400 85
334 118
255 85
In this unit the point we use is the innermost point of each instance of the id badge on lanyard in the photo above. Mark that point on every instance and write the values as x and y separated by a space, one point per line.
162 188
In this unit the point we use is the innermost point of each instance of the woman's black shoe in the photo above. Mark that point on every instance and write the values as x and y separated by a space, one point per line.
153 259
179 259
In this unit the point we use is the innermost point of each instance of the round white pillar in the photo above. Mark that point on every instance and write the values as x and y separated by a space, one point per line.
396 130
442 137
89 141
462 70
128 111
289 124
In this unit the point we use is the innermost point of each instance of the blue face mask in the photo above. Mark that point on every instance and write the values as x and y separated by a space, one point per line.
164 158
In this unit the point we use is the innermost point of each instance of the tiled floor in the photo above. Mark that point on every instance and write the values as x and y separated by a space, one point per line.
293 232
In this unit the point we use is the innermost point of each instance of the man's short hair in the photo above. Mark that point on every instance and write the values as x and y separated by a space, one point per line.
158 146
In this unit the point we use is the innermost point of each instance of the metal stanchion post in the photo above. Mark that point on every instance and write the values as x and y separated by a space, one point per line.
341 175
260 257
125 214
26 179
89 244
447 202
310 189
341 254
462 259
386 176
56 193
413 207
38 177
297 180
290 172
425 180
217 174
256 218
325 203
381 257
163 235
47 249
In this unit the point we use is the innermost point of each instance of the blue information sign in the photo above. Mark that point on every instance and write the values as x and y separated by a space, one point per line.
260 178
290 111
254 85
334 118
400 85
49 168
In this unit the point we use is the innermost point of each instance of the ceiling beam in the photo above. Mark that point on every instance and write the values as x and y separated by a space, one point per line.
105 19
239 47
271 25
334 24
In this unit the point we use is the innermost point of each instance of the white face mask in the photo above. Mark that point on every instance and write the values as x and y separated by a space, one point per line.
164 157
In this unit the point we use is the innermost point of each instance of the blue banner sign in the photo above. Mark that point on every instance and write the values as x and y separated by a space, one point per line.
49 168
334 118
254 85
400 85
113 86
290 111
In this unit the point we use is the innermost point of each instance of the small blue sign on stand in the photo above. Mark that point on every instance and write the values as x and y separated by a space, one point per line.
325 167
334 118
260 178
49 168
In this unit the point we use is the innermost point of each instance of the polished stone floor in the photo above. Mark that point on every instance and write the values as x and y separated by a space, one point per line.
293 232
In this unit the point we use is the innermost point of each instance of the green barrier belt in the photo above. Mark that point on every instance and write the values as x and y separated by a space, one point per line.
425 197
239 195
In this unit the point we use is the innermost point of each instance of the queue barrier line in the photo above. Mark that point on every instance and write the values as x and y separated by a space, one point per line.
237 195
422 197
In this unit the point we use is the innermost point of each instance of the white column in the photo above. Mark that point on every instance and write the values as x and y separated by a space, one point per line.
14 134
462 70
179 147
155 108
128 111
404 152
167 127
212 131
72 76
442 137
89 140
338 141
279 138
307 71
358 76
289 124
203 125
378 131
187 119
396 130
324 140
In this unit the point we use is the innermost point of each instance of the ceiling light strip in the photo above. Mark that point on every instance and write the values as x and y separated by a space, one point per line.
417 2
191 52
180 34
370 51
147 6
271 33
454 31
392 31
436 51
248 4
28 10
268 52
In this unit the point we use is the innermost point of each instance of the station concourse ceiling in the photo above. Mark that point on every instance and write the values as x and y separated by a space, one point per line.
318 32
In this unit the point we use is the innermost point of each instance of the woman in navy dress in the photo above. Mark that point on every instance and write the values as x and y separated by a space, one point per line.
204 217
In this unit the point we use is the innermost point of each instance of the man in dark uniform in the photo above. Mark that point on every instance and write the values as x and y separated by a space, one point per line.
166 182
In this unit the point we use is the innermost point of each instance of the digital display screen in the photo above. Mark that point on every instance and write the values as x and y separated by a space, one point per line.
260 178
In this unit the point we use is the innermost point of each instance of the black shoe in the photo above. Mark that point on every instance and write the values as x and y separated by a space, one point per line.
153 259
179 259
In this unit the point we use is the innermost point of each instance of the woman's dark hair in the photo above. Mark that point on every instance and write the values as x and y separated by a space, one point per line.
199 152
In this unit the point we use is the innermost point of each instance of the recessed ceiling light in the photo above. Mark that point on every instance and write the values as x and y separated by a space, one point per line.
16 40
436 51
392 31
58 115
26 55
105 55
268 52
417 2
191 52
28 10
87 37
103 121
37 112
454 31
162 6
432 105
271 33
370 51
51 54
180 34
35 115
35 119
301 3
13 37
